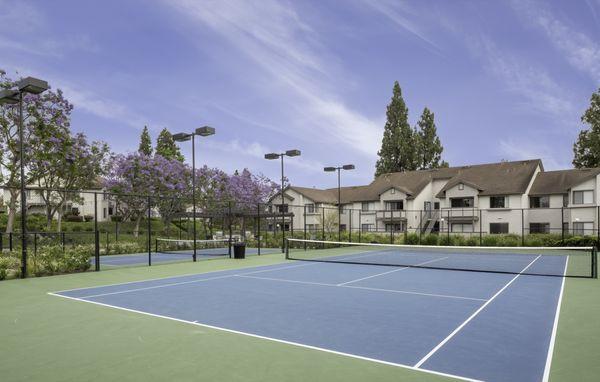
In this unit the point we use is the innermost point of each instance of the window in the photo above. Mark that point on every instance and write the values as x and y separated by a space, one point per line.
436 205
310 208
565 200
395 205
497 202
282 208
498 228
539 227
462 202
461 186
583 197
111 212
395 227
539 201
462 227
366 227
365 206
566 227
583 228
393 191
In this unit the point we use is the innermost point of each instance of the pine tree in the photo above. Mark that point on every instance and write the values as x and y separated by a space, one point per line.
398 147
429 145
586 149
145 143
166 147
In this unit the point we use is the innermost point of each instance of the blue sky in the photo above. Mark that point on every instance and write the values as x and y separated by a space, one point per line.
505 79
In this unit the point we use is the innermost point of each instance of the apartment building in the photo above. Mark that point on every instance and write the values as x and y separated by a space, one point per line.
506 197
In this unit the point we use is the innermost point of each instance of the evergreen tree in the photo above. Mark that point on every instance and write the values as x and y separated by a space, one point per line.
145 143
429 145
586 149
166 147
398 147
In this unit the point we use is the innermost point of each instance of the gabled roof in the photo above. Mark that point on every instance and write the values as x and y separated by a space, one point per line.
504 178
317 195
560 182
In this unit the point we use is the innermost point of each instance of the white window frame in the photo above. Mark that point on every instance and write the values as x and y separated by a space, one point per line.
589 193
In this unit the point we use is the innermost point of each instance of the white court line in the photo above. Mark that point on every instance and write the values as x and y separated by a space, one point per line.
472 316
555 327
395 270
271 339
365 288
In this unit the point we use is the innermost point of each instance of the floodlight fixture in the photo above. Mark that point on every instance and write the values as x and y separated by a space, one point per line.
9 96
330 169
32 85
292 153
182 137
348 167
271 156
205 131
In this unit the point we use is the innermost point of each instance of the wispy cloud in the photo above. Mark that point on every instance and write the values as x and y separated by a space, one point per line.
285 48
580 50
518 149
405 17
537 89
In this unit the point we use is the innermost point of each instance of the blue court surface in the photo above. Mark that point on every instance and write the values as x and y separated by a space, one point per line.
467 325
142 258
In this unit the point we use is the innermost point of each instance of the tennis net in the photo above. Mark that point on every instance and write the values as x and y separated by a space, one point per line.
185 248
546 261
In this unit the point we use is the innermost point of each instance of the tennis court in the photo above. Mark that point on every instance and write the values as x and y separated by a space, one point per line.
492 326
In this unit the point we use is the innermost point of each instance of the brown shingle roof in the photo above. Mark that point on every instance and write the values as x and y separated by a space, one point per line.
502 178
559 182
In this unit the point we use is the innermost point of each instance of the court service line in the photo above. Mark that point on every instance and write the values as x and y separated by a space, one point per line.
355 356
365 288
471 317
392 271
546 376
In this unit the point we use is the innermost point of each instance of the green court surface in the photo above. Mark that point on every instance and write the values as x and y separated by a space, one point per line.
45 338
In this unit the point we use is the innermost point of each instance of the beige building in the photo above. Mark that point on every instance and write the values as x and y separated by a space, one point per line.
507 197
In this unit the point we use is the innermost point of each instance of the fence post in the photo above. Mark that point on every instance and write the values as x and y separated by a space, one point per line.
304 226
359 225
10 241
323 227
62 240
480 229
258 227
149 228
96 237
392 227
420 225
448 224
230 228
522 227
35 244
350 225
562 224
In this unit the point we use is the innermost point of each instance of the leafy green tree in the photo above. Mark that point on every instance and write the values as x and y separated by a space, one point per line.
398 147
145 142
166 147
429 145
586 149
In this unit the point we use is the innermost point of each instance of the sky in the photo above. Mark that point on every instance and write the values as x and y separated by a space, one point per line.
507 80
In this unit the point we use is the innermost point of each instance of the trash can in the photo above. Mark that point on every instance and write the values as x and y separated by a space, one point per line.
239 250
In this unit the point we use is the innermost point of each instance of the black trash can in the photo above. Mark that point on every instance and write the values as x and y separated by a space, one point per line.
239 250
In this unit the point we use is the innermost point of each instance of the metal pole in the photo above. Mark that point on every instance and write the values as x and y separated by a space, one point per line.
448 224
323 227
229 223
359 225
350 225
305 226
522 227
282 211
420 224
339 205
23 196
480 229
149 225
194 192
258 227
562 223
96 237
392 227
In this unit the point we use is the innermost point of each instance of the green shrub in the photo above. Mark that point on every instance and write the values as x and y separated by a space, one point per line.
52 260
472 241
490 241
77 228
429 239
412 239
509 241
10 265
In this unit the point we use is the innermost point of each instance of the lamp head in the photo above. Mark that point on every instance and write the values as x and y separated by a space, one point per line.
271 156
292 153
9 96
32 85
205 131
348 167
330 169
182 137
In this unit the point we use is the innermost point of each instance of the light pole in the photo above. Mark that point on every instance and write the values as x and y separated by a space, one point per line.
204 131
271 156
9 96
333 169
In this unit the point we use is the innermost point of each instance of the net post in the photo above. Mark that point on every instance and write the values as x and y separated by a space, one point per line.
96 234
595 262
287 249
